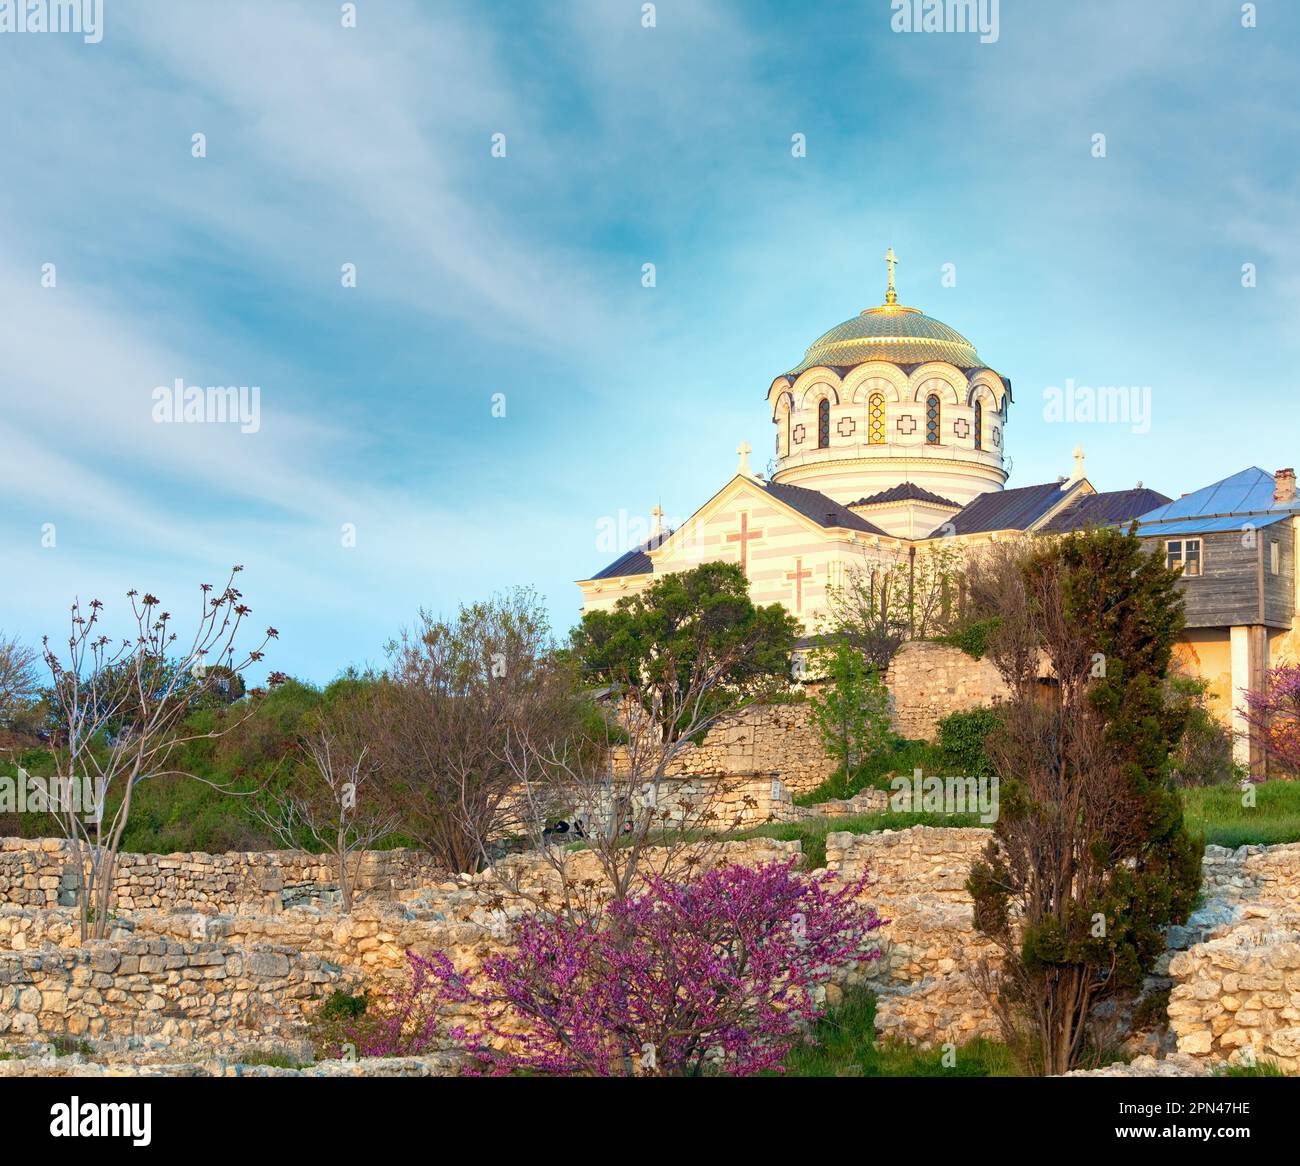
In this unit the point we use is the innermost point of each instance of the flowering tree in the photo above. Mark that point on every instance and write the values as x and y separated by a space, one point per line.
718 973
1274 716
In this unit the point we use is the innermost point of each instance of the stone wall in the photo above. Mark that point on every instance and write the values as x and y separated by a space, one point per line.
444 1064
189 975
779 739
928 681
926 993
42 873
194 974
1236 992
159 988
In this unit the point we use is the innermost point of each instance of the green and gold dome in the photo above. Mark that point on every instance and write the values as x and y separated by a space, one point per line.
890 332
894 333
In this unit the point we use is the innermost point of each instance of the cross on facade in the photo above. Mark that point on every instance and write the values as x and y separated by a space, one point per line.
797 576
744 536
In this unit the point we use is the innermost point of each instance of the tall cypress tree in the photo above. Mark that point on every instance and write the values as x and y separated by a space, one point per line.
1091 859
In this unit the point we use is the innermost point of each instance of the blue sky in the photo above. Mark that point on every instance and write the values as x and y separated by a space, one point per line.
522 275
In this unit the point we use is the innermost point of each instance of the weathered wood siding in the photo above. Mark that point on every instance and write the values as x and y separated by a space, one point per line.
1279 589
1227 593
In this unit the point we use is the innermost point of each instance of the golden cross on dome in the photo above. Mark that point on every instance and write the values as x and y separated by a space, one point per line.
891 296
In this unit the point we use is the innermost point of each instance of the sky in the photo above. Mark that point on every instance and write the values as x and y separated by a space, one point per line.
500 385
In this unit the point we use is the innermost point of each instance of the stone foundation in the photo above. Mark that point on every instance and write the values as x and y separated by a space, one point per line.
146 989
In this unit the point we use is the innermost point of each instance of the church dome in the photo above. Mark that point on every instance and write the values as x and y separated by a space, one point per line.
894 333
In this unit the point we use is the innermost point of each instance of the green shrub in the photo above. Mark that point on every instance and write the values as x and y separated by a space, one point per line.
271 1058
340 1004
962 736
973 639
844 1044
1204 755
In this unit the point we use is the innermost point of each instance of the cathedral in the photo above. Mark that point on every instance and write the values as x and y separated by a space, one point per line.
889 435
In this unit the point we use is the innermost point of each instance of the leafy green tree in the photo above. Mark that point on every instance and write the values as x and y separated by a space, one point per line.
1091 860
851 707
688 647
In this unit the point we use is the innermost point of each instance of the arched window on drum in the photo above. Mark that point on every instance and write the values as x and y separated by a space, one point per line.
876 419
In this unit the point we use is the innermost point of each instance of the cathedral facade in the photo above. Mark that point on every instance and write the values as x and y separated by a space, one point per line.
889 436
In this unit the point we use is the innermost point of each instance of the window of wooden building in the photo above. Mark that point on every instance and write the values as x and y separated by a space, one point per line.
1184 554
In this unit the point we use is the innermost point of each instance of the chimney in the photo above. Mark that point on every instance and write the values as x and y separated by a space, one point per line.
1284 487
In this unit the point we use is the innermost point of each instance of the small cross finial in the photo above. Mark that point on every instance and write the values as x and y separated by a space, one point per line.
891 296
657 513
744 449
1078 462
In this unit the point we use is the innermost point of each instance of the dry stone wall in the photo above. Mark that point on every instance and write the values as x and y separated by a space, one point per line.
194 976
928 681
926 993
42 873
776 739
159 989
1236 993
174 973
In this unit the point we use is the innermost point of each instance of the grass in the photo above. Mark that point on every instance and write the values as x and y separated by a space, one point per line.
845 1045
271 1059
1262 1069
1217 815
874 773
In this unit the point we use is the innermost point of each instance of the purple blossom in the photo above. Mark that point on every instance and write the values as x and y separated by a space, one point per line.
717 974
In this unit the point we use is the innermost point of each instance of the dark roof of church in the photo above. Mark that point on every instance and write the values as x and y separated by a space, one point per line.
635 562
815 505
1108 509
906 492
810 503
1016 509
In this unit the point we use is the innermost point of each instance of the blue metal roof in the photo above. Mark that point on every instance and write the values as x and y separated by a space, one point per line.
1248 491
1222 522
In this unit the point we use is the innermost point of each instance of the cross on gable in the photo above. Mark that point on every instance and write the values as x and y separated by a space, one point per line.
797 576
744 536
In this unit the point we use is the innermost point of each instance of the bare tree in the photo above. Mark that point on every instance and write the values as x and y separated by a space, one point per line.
442 713
121 713
19 681
331 805
890 598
